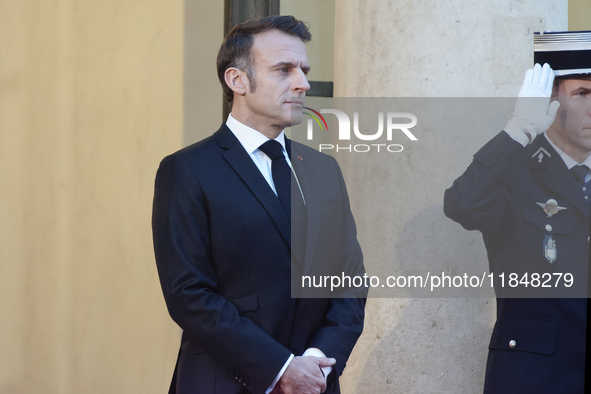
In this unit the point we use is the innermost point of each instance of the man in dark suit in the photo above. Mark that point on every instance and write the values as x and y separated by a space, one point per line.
222 225
527 191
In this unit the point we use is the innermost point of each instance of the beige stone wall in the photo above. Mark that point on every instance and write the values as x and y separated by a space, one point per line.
578 15
90 101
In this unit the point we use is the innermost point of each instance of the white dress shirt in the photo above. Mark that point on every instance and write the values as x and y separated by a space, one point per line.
251 140
569 161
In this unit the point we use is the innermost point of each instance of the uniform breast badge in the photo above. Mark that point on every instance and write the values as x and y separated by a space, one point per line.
550 251
550 207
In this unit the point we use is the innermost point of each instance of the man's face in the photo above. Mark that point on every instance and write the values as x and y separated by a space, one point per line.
281 64
572 127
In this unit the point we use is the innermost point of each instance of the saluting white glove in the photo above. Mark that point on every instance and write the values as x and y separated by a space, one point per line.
533 115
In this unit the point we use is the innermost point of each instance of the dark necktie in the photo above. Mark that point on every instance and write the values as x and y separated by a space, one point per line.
281 174
579 173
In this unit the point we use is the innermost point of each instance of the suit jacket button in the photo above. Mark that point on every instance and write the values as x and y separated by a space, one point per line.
512 343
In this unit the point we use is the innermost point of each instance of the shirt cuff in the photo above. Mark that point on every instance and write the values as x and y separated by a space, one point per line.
517 134
279 375
315 352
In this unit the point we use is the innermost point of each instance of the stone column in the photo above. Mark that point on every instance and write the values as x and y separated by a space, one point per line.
429 48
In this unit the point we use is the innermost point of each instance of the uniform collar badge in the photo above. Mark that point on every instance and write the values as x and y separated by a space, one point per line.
540 153
550 207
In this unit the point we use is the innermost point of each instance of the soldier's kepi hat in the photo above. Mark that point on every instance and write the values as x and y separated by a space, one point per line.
567 52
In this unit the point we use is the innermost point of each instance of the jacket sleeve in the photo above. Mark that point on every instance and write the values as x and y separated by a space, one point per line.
343 322
183 256
478 198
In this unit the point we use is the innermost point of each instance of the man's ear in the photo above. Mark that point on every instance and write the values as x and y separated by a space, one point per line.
237 80
556 87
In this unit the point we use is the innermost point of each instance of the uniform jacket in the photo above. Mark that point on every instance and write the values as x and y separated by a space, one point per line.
498 195
223 249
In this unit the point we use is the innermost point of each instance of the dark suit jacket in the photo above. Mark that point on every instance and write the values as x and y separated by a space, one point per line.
497 195
223 249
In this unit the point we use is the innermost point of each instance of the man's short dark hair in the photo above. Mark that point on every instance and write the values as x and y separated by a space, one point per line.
235 50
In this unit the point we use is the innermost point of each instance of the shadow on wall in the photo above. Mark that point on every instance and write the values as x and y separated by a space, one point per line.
436 345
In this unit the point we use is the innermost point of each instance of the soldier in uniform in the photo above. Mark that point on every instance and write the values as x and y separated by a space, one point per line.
527 190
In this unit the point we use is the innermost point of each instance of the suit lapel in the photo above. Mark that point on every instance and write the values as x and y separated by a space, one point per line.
298 231
557 176
309 183
243 165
